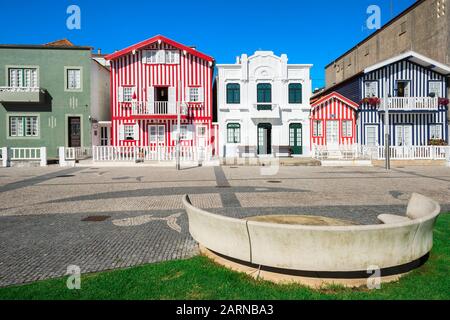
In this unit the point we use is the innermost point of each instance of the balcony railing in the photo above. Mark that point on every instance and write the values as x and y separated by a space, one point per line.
154 108
411 104
21 94
265 110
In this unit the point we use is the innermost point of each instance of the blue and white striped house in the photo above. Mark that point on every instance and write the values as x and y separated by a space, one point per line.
416 88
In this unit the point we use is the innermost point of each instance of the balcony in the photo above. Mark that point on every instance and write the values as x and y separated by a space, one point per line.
265 111
21 94
156 108
410 104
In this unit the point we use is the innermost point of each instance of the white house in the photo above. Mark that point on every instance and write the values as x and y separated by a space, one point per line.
263 106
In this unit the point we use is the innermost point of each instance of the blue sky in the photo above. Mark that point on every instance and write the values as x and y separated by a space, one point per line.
307 31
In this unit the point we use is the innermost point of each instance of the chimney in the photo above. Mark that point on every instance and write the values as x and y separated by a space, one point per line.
99 51
238 60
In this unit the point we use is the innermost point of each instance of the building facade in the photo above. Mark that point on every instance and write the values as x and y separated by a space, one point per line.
411 88
424 28
263 106
45 96
150 82
333 121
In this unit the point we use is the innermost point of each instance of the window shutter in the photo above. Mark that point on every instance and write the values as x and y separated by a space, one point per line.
173 134
176 57
120 94
121 132
187 96
190 132
201 95
172 96
136 132
150 94
161 56
144 56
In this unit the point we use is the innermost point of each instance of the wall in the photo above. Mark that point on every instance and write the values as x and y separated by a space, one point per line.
100 98
424 33
263 67
59 103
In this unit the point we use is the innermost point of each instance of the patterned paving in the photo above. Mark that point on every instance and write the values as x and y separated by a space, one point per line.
42 210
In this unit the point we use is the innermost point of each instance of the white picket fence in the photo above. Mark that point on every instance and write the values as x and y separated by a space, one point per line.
10 155
356 151
3 157
78 153
156 153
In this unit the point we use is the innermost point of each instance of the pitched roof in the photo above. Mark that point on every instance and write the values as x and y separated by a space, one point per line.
147 42
60 43
413 57
334 95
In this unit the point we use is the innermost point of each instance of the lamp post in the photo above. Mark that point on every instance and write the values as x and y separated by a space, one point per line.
386 128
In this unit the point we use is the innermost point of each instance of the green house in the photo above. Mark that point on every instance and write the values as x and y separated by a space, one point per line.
45 96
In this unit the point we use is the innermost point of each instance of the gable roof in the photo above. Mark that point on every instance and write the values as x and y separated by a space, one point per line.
334 95
416 58
60 43
147 42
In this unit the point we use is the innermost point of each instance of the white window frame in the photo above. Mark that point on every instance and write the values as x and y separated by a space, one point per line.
376 133
371 90
172 56
194 94
27 126
127 95
439 85
347 128
66 78
317 128
437 128
128 132
9 68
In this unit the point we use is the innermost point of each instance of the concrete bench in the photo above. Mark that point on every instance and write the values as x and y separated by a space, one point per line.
319 248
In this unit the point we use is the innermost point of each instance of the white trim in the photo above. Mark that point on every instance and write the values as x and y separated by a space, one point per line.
414 57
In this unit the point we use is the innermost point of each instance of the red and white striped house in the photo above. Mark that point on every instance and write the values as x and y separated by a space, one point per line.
333 121
149 81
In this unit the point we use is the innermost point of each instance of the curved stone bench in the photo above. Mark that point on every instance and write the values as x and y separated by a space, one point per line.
399 241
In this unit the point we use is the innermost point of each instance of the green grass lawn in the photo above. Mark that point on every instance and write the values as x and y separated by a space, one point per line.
199 278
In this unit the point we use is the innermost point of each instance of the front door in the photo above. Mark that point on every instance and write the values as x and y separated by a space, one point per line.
371 135
332 133
403 135
295 138
201 133
74 127
157 135
264 139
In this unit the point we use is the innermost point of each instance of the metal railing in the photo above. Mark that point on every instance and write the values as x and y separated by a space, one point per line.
153 108
20 89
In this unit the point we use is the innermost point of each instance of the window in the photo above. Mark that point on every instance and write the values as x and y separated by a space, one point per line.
372 135
234 133
127 94
436 132
73 79
317 128
264 96
23 126
128 132
371 89
172 56
193 95
23 77
403 89
403 28
434 89
161 56
295 93
233 93
347 130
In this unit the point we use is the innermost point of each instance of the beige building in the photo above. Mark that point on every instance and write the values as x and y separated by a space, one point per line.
424 28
